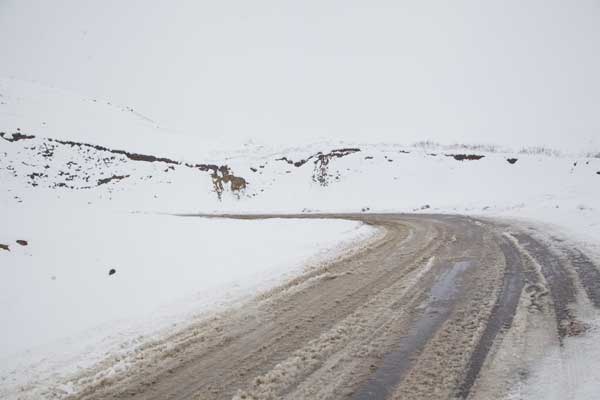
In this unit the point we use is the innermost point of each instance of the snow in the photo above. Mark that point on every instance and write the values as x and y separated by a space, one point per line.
568 372
57 296
57 299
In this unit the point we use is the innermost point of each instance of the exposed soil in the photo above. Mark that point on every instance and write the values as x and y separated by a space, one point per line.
463 157
111 178
103 157
15 137
321 173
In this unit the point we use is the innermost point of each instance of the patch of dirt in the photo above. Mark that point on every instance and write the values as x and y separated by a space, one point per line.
15 137
222 176
112 178
576 328
294 163
463 157
321 173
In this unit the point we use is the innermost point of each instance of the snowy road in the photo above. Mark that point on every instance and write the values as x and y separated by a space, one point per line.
439 307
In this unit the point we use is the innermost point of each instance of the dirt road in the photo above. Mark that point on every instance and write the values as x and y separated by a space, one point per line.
437 307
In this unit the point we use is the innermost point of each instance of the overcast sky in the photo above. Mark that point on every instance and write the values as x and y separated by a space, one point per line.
511 72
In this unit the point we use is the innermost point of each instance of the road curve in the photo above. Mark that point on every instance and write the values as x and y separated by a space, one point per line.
437 307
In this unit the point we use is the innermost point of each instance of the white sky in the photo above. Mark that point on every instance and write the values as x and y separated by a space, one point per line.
517 72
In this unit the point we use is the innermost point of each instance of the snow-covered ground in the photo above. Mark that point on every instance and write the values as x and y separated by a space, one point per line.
61 309
86 183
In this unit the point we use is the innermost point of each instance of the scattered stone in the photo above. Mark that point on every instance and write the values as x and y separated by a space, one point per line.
112 271
425 207
22 242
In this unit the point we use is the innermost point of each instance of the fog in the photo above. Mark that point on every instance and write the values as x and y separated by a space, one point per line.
515 73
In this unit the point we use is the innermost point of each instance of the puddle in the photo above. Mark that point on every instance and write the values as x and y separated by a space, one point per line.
437 309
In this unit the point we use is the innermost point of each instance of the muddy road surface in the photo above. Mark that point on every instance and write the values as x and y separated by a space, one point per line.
435 307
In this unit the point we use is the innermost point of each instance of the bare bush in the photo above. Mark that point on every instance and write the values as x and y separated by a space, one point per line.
540 150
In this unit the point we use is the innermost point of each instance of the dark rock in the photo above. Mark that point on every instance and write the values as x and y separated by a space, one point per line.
512 160
15 137
112 178
112 271
4 247
463 157
22 242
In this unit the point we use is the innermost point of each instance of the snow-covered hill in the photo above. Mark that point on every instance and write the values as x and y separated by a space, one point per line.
322 177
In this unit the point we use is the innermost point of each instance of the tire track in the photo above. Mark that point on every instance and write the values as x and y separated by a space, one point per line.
502 314
589 275
560 283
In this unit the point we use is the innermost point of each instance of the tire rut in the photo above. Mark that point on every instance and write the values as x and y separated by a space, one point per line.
560 283
502 314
